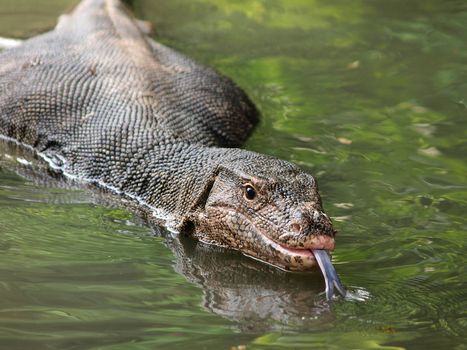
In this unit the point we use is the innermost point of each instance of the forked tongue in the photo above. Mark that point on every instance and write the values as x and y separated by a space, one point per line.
329 273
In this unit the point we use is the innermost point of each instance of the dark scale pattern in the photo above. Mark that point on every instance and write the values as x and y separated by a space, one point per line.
105 103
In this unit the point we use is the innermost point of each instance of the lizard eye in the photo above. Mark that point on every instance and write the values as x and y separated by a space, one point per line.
250 192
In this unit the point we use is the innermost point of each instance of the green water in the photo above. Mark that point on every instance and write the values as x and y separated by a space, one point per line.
369 96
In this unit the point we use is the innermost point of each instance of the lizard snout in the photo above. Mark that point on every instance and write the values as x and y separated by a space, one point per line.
310 229
311 222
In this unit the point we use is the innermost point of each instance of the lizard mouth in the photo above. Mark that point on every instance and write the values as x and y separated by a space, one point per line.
317 241
252 241
295 258
303 252
316 255
288 258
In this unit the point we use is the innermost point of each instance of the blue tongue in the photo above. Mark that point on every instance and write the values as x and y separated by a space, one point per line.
329 273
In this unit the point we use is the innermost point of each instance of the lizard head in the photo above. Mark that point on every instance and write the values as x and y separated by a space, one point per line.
266 208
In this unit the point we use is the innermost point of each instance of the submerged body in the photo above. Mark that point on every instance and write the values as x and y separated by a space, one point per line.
101 101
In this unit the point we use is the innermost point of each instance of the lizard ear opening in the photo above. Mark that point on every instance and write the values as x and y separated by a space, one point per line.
204 194
188 223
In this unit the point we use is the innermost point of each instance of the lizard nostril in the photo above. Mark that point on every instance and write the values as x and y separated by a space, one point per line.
295 227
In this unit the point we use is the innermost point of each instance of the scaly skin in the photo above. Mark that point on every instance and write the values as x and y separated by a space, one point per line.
101 101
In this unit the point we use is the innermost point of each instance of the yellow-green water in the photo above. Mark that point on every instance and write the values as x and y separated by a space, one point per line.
370 96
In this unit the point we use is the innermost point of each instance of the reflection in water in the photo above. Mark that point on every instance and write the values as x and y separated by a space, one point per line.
248 291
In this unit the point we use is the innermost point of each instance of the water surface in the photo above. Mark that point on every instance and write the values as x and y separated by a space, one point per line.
369 96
